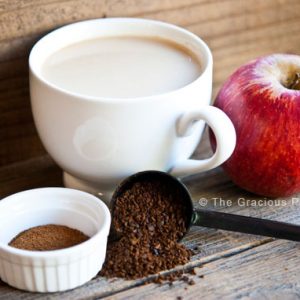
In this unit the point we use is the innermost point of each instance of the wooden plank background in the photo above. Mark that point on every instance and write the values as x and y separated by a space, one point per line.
234 265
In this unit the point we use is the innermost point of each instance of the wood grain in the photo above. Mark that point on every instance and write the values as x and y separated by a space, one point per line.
33 173
247 275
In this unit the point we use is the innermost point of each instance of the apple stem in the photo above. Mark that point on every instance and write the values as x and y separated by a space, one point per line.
294 84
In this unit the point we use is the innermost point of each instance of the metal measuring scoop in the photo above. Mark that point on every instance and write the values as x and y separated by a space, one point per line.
210 218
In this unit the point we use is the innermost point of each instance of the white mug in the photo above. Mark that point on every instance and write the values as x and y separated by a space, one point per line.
99 141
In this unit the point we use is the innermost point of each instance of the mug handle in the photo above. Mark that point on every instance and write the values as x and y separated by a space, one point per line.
223 130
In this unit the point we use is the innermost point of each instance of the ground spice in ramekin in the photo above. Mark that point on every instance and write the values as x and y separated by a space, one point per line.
48 237
151 218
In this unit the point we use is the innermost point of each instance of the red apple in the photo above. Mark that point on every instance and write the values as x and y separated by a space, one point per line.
262 99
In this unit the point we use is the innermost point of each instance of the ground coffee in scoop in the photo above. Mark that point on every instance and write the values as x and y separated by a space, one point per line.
150 218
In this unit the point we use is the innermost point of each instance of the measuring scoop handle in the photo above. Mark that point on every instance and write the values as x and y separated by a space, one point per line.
237 223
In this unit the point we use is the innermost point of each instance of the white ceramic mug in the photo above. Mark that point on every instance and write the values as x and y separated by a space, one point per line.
98 141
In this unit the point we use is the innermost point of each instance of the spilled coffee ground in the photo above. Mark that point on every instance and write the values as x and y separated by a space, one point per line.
150 218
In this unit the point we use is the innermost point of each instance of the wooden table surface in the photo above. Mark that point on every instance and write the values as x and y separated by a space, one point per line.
228 265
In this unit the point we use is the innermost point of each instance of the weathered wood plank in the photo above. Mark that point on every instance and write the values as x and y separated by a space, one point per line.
269 271
214 11
37 172
39 17
134 8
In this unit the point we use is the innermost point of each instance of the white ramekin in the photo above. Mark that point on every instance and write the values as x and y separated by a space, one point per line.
58 270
